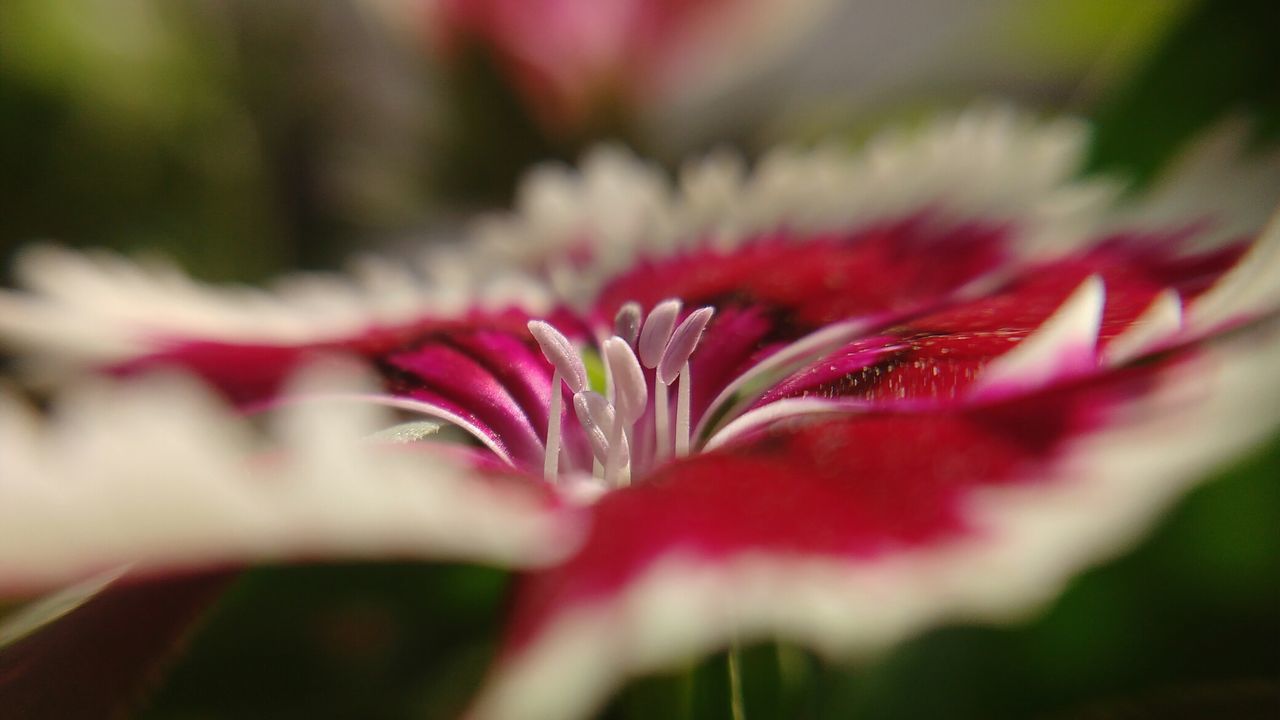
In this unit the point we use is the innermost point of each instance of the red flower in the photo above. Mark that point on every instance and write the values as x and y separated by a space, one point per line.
931 381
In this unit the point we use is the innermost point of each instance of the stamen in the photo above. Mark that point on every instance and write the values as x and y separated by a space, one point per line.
683 393
682 345
661 422
551 457
626 324
605 434
597 417
558 351
674 366
629 385
630 398
654 342
657 332
569 369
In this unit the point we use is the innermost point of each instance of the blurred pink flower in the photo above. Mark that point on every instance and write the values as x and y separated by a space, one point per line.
573 58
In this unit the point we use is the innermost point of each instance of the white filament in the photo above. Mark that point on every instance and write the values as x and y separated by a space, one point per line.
683 394
661 422
551 461
617 468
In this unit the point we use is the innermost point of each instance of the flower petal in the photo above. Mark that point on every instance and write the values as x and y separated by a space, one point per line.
480 384
483 375
983 171
156 473
939 355
1065 345
811 281
851 534
1249 290
100 309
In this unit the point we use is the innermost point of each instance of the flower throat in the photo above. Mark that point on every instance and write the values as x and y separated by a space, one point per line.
654 342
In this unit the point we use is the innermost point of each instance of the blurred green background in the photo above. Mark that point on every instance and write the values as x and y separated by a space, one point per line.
246 138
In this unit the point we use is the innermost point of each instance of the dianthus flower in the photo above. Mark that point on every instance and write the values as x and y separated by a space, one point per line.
833 400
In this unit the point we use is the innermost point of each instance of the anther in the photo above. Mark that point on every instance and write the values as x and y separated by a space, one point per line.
683 342
630 388
630 394
626 324
557 349
657 332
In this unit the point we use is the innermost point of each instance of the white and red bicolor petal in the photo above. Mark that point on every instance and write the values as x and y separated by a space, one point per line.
157 475
817 235
97 309
983 171
484 375
851 533
939 355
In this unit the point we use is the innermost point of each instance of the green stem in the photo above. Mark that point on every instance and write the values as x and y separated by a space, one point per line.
735 683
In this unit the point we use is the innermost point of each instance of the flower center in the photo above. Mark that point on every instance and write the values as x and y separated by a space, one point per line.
640 347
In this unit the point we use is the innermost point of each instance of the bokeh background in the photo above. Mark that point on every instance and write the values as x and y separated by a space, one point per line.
249 137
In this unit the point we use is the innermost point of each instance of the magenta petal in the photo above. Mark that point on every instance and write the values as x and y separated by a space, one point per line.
733 342
247 375
856 488
808 282
853 359
939 355
98 660
847 533
439 373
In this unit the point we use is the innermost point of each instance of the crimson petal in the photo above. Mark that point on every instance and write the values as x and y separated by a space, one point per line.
805 283
938 355
848 533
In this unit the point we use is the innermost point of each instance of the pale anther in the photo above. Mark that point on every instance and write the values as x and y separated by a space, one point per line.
558 351
626 324
629 386
683 342
656 332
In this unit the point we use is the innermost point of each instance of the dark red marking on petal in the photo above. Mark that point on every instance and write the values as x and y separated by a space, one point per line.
937 355
850 488
99 660
808 282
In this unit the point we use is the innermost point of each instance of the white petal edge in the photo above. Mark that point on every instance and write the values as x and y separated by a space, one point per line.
781 363
1248 290
989 162
1160 323
98 307
1064 345
1219 179
767 415
158 474
1032 539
